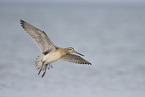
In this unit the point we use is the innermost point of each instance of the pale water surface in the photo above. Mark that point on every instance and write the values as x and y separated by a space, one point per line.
112 38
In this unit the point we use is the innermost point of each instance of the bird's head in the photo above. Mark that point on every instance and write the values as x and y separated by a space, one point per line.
71 50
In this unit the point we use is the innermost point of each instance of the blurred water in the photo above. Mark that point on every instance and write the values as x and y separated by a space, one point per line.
112 38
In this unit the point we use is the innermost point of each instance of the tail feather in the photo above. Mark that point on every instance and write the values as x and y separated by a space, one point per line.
39 62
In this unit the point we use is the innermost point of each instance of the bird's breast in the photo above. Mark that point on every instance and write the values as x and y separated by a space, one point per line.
52 56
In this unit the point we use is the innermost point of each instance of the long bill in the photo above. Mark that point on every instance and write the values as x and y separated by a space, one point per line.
78 53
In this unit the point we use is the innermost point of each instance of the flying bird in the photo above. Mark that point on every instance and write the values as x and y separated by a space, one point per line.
51 52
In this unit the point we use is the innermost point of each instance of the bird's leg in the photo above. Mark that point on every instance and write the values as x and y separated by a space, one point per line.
45 70
51 66
41 67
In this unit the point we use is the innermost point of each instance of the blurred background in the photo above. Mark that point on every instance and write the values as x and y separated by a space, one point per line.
110 33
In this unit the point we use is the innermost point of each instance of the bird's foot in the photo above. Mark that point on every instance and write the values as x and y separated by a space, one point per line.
43 74
44 67
51 66
45 70
41 68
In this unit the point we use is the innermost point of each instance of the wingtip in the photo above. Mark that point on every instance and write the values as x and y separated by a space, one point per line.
89 63
85 63
22 22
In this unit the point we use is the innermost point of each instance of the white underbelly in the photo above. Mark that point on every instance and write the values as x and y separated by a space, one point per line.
52 57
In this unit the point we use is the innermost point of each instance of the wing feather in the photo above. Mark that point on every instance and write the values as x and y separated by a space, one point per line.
40 37
75 59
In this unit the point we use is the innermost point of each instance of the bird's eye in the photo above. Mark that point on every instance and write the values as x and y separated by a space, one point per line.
71 49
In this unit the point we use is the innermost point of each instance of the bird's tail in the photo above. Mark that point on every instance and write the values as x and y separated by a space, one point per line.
39 62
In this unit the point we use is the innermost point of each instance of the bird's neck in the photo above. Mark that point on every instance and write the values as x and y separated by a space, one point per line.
63 52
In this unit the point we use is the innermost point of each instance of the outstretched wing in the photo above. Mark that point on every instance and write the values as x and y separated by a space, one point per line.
75 59
40 37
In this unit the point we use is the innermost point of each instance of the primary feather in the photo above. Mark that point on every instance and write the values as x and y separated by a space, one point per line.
40 37
75 59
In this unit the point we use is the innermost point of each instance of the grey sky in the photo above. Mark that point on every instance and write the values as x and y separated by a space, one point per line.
82 1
